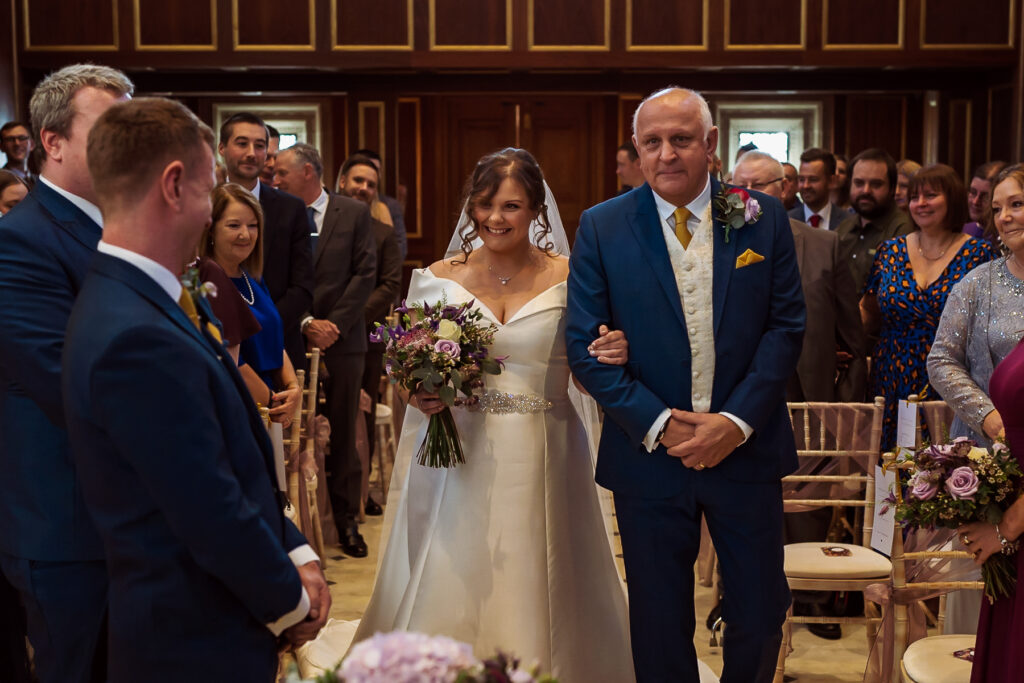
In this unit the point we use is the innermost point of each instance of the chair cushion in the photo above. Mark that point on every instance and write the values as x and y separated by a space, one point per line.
809 561
931 660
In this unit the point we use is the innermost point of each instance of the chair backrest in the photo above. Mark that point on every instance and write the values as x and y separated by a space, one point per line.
934 419
920 585
838 445
310 395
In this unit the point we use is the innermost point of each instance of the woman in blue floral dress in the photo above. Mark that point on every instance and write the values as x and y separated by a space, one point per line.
908 285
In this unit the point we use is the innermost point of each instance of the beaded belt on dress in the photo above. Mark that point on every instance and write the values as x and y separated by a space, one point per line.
502 403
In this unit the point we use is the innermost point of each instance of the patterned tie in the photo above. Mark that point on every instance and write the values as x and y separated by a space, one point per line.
682 214
313 235
815 220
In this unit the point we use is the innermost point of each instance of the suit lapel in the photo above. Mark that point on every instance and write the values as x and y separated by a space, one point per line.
326 230
646 226
725 257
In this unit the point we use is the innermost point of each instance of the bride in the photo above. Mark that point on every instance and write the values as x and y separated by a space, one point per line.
508 550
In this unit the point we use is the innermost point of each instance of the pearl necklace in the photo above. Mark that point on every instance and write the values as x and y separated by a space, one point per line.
252 295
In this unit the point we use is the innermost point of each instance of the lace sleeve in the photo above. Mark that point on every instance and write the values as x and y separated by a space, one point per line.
948 361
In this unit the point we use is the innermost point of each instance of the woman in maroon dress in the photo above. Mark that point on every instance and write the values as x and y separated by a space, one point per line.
999 655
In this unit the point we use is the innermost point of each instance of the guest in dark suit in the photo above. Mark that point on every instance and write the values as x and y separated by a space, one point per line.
49 548
345 260
817 175
287 257
16 143
393 206
714 319
177 470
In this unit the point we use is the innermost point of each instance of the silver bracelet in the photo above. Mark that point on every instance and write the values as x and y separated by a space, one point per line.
1008 547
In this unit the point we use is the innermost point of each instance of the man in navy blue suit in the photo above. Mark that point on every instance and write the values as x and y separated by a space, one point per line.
206 573
706 288
49 548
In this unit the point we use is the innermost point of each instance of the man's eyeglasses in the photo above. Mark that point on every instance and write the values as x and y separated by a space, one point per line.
15 138
761 186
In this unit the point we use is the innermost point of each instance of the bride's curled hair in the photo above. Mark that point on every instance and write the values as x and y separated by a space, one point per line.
482 184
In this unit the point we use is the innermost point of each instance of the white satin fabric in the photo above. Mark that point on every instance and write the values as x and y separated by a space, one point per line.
509 549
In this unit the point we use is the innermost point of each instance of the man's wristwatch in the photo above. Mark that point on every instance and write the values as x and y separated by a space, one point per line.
661 433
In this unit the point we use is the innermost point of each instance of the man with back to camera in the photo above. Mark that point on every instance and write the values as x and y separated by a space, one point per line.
49 548
206 573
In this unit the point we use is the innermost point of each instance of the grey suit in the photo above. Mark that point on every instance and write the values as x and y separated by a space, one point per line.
345 270
833 321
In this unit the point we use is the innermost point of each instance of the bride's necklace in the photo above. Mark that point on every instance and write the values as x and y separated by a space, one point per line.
505 280
942 253
252 295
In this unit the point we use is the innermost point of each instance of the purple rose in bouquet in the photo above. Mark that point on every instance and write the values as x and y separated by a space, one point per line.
447 347
962 483
923 486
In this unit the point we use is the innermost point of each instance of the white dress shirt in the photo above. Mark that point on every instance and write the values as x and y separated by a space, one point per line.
169 282
825 212
319 207
697 320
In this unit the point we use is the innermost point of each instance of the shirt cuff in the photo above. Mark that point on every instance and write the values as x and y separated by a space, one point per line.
295 616
650 441
303 554
744 427
305 321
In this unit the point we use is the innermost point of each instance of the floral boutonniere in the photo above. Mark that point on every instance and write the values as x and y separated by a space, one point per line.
736 208
196 289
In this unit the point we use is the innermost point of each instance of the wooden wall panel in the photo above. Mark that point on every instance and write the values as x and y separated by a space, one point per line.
979 24
371 127
658 25
82 25
876 121
184 25
273 25
765 24
958 145
999 137
408 162
388 27
460 25
569 25
846 24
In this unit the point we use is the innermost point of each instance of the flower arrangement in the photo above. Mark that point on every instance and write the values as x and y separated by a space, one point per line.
736 208
441 348
958 483
407 657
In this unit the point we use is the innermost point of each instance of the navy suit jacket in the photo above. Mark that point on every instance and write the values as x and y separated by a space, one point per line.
46 244
620 275
288 264
177 470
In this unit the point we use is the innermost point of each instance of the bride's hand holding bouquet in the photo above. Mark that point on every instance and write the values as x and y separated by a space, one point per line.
436 352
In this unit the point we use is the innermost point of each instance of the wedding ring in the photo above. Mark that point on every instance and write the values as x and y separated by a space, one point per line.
963 539
699 466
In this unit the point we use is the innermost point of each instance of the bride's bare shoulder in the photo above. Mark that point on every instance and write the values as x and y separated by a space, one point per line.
451 268
559 266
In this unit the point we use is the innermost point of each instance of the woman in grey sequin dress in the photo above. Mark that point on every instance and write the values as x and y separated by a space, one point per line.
981 324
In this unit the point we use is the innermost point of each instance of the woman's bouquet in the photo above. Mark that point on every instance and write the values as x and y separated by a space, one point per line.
959 483
443 349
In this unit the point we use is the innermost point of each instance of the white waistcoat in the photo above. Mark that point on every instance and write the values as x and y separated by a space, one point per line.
694 271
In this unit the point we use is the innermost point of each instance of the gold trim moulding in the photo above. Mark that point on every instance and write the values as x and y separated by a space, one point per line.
688 47
433 45
418 234
259 47
183 47
900 43
108 47
395 47
533 47
750 47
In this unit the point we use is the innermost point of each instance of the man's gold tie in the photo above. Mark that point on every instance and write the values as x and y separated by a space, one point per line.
682 214
189 306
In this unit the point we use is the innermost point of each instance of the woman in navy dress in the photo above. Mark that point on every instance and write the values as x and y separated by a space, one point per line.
234 241
908 285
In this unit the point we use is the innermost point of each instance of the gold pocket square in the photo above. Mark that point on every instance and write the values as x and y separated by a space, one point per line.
748 258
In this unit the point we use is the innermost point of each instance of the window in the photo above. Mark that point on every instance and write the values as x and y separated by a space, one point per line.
775 143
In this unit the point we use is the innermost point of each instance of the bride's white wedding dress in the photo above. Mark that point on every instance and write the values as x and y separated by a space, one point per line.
508 550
